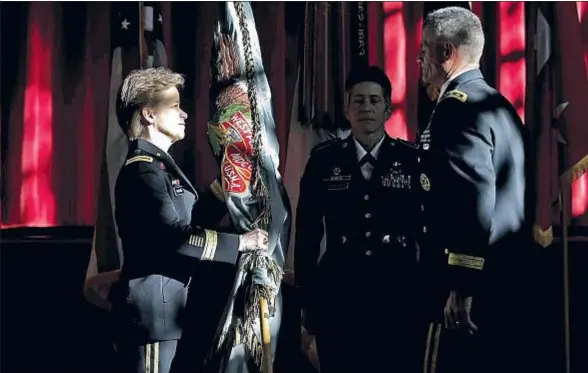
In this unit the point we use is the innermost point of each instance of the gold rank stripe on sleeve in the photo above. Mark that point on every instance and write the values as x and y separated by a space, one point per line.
457 94
210 245
466 261
152 357
196 241
139 158
432 348
217 190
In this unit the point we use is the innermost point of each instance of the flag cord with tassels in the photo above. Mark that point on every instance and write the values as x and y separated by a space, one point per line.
259 274
259 295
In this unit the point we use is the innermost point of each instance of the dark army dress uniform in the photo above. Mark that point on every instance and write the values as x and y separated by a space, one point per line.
360 299
157 211
473 186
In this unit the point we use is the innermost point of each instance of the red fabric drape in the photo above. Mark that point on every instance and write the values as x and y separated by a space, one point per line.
401 39
56 116
510 56
580 186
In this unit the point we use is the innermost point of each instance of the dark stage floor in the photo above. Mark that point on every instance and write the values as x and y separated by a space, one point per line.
48 326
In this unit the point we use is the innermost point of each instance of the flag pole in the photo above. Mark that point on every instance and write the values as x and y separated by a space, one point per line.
266 338
565 193
141 36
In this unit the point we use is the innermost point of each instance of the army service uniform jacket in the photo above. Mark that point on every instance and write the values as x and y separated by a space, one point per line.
473 177
371 227
157 212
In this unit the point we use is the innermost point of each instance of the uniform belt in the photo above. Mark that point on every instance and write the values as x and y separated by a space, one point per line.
133 273
382 239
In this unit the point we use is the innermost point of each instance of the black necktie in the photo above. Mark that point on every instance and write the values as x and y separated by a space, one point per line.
368 158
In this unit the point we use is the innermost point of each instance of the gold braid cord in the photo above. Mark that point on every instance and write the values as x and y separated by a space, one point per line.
259 189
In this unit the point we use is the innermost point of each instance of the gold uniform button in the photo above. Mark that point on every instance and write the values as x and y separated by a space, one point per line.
424 229
368 215
422 208
368 252
368 234
366 197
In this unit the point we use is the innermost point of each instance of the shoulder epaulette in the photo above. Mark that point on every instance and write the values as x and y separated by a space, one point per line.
139 158
324 145
406 143
457 94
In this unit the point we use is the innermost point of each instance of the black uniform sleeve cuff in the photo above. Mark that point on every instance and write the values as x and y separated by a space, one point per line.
228 248
464 272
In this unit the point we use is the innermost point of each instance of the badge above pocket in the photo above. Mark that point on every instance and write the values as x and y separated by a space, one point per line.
177 187
337 181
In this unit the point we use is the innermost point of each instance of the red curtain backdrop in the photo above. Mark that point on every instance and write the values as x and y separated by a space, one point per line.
55 89
580 186
401 45
54 112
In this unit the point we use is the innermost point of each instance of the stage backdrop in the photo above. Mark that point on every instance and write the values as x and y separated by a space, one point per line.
58 65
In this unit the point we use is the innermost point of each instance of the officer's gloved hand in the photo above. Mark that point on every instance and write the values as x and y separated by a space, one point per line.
254 240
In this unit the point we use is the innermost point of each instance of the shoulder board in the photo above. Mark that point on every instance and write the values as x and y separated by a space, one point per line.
457 94
324 145
406 143
139 158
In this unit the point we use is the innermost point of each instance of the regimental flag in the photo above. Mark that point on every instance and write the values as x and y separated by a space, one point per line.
539 118
242 135
559 114
136 39
571 95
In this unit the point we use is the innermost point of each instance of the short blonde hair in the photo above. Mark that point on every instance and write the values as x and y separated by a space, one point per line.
141 89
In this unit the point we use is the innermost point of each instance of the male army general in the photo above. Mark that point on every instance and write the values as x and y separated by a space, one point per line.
473 162
360 300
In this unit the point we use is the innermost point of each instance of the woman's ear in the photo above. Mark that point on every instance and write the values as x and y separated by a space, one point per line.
147 116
